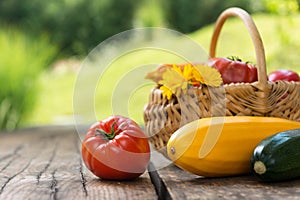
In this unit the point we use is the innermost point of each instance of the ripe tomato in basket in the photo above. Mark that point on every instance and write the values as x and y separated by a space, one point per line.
116 149
284 75
233 70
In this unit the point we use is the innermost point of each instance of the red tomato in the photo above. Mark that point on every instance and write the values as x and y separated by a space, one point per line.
116 149
234 71
284 75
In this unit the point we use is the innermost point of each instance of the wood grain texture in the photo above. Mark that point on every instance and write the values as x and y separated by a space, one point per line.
183 185
45 163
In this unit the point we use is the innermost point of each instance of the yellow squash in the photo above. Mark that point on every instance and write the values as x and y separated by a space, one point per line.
222 146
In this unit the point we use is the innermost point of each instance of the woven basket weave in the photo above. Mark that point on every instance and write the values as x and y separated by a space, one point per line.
261 98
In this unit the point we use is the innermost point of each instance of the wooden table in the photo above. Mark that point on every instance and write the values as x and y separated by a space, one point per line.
45 163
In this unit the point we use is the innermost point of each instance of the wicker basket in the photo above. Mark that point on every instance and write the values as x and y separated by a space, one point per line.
262 98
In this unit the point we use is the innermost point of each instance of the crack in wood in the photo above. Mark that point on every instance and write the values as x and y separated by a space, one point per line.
83 181
13 176
53 187
38 177
159 185
16 151
9 162
82 178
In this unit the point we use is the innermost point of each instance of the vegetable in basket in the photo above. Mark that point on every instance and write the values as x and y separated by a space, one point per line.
233 70
283 75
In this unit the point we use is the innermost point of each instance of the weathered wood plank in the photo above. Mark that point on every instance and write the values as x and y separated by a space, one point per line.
45 163
183 185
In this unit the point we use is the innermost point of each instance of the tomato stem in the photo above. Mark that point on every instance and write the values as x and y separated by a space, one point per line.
234 58
108 136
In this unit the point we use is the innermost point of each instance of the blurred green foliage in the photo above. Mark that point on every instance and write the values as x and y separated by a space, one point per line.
76 26
190 15
281 7
22 59
149 14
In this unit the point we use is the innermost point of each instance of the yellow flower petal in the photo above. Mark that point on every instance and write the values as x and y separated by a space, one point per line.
198 76
176 79
173 80
208 75
177 68
188 72
166 92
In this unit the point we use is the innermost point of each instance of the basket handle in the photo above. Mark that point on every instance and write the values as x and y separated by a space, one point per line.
256 39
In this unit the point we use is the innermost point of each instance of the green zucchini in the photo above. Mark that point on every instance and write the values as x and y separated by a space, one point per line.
277 157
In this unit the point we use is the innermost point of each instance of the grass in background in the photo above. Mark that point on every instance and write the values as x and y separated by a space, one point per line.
22 59
54 103
282 47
